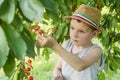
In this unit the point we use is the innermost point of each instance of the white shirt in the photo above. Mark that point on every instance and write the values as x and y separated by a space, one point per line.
88 74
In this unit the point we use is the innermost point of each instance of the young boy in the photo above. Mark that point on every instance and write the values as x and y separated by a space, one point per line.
80 59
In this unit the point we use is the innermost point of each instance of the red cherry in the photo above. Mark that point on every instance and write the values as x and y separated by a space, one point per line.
35 28
31 78
29 61
28 69
40 32
29 64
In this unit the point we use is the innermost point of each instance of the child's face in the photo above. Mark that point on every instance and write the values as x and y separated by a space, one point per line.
80 33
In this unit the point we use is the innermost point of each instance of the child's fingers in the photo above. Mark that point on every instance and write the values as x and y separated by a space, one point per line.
45 35
40 40
40 37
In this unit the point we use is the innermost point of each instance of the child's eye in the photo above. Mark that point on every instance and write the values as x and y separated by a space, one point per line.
81 31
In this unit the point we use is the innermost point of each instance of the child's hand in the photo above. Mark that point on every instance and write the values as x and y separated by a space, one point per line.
45 40
57 74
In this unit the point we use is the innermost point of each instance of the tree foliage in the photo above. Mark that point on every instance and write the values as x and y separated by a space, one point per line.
17 40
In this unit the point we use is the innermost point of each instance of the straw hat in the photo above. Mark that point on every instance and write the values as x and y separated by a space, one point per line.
89 15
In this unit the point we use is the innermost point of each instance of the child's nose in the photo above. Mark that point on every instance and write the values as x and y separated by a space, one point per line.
75 33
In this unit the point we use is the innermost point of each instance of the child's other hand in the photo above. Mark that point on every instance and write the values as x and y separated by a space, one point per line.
58 77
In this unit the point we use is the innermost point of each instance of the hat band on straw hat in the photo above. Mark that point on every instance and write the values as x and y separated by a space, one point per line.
85 18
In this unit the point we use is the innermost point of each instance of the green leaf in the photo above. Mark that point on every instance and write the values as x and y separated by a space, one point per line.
15 75
116 50
101 76
118 27
117 37
9 65
1 1
7 10
51 8
105 41
52 15
16 42
30 45
114 22
114 65
58 33
4 50
17 23
106 66
65 29
46 53
32 9
117 58
118 8
37 49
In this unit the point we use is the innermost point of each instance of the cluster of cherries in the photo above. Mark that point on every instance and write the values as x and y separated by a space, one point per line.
36 28
40 31
25 70
28 69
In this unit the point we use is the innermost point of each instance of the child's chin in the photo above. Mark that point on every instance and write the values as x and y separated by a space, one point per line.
75 43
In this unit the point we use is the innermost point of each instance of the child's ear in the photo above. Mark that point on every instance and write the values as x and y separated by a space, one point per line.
95 33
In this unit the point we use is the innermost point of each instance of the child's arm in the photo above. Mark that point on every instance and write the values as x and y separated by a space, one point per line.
79 64
74 61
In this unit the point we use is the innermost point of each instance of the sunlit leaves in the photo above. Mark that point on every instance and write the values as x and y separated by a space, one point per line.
30 44
9 65
51 8
4 49
117 37
15 41
7 10
32 9
17 23
45 53
101 76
